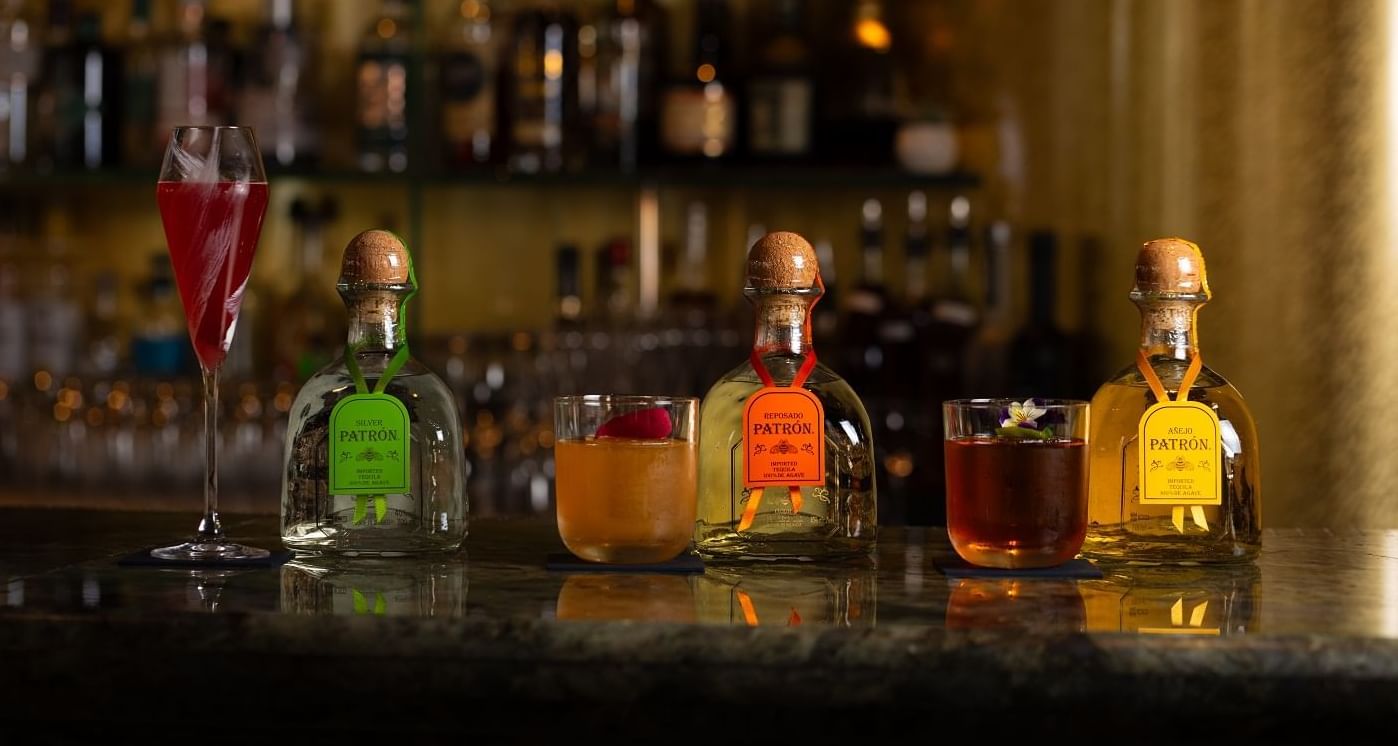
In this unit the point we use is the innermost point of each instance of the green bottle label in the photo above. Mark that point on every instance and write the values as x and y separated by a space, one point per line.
369 446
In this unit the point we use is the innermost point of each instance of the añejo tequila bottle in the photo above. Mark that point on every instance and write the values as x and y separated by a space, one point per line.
786 462
1175 476
373 450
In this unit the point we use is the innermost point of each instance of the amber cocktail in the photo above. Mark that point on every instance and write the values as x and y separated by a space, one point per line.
626 471
1016 480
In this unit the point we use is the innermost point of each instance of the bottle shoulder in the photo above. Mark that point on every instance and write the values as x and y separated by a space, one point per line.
1171 372
412 381
1126 396
783 370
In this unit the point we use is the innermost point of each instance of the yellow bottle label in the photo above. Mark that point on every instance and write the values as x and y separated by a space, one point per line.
1180 455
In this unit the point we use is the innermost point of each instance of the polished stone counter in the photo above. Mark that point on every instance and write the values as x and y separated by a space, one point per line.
425 648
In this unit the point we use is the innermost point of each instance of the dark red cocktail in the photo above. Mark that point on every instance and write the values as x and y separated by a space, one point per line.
1016 502
211 230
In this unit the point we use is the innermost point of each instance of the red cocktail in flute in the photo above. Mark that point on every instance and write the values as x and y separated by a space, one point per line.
212 194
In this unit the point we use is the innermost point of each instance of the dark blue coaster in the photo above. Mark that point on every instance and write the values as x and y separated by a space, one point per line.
144 559
954 567
685 564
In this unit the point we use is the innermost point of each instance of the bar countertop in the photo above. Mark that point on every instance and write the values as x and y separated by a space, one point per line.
459 645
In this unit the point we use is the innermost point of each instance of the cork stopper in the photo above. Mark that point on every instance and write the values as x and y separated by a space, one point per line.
782 261
376 257
1171 266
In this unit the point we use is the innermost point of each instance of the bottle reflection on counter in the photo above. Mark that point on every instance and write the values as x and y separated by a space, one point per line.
774 597
1218 601
1043 605
623 597
362 586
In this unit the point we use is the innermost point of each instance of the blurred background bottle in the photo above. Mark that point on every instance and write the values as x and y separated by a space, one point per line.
195 71
1041 354
277 98
384 88
466 75
543 111
781 89
160 343
699 106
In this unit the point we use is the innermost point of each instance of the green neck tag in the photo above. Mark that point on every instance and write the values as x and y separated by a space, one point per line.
369 444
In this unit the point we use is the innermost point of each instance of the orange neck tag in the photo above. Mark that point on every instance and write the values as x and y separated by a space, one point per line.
783 435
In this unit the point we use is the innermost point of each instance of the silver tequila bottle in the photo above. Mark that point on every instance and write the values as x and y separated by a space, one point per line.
373 450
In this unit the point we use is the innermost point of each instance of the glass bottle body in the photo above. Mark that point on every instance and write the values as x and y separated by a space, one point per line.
1120 527
430 516
835 519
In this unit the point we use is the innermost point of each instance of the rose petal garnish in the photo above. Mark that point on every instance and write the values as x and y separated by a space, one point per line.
646 424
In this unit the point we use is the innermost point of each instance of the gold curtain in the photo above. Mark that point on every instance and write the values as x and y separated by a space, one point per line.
1259 129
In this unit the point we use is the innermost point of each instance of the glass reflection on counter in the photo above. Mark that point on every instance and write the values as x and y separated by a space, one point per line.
204 588
362 586
788 596
1213 601
624 597
1040 605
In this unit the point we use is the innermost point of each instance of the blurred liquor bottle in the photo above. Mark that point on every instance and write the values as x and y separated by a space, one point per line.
859 116
160 344
19 68
14 326
903 332
310 325
568 314
141 145
55 318
14 367
569 353
944 325
869 304
951 320
543 104
988 356
781 90
699 108
384 80
195 71
1041 354
78 122
692 311
629 63
466 76
825 317
899 409
692 303
278 96
103 354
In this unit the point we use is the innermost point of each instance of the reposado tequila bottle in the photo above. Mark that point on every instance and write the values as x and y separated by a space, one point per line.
786 462
373 451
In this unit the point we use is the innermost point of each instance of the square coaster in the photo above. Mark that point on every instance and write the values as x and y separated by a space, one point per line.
685 564
143 558
953 566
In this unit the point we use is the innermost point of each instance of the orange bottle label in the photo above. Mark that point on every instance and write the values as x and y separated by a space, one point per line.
783 439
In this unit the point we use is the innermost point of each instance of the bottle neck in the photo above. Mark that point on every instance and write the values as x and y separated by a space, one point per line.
374 320
1168 328
783 323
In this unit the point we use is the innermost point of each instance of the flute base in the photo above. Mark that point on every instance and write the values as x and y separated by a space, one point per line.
208 550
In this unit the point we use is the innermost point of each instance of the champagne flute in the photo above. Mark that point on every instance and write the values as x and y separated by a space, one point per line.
212 194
